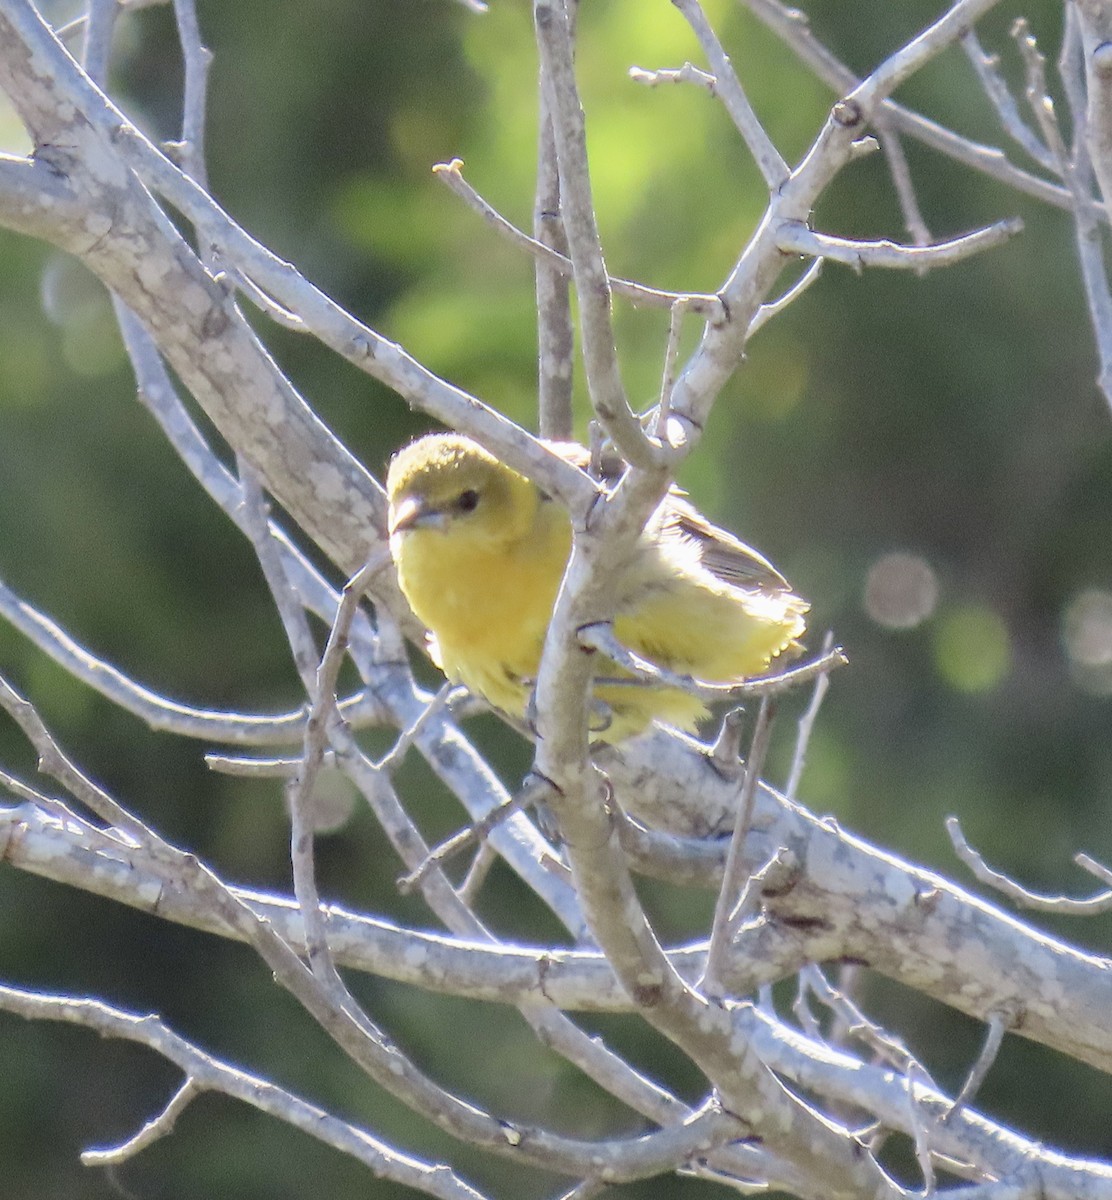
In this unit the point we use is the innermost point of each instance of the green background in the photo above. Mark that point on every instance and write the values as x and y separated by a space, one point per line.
953 417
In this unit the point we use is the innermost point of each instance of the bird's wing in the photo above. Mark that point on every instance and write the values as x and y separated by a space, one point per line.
720 552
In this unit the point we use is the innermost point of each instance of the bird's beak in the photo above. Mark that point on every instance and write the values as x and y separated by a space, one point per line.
414 512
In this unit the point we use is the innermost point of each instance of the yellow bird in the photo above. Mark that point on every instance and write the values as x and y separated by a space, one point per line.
480 552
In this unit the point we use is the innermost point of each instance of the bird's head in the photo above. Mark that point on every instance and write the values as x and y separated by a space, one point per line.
448 484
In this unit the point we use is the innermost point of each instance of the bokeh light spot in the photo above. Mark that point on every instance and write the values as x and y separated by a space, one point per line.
1087 637
901 590
972 649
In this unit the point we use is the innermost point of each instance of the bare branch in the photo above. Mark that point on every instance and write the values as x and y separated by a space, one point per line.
600 636
807 721
725 755
99 26
49 104
386 949
900 172
158 1127
256 521
791 26
210 1074
769 310
555 328
441 701
54 763
736 874
688 73
591 279
1076 169
729 90
1091 906
1096 32
668 374
253 768
987 67
190 150
997 1025
795 238
451 175
531 792
162 712
1061 987
477 872
350 1028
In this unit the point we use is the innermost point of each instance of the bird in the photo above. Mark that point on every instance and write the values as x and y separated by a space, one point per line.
480 551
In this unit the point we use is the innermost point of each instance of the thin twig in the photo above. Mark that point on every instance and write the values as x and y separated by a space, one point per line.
688 73
234 277
774 876
1071 71
600 636
592 285
393 759
555 328
162 712
350 599
158 1127
253 768
791 26
1065 905
725 754
451 174
485 858
849 974
587 1189
212 1075
923 1155
795 238
321 684
768 310
900 171
24 791
668 374
475 834
884 1044
97 51
801 1006
53 762
299 788
1039 100
807 722
996 1026
987 68
1076 169
256 517
729 90
736 874
196 60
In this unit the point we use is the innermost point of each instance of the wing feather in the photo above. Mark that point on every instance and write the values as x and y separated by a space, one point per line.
726 557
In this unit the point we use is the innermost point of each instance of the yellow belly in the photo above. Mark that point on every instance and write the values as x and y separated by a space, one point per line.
488 608
489 611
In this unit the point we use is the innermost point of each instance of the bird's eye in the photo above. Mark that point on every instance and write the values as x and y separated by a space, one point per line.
468 501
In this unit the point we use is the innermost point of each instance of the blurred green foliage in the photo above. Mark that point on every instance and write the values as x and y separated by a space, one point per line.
951 418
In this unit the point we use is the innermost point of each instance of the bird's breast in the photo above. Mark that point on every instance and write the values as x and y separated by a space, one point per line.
489 607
